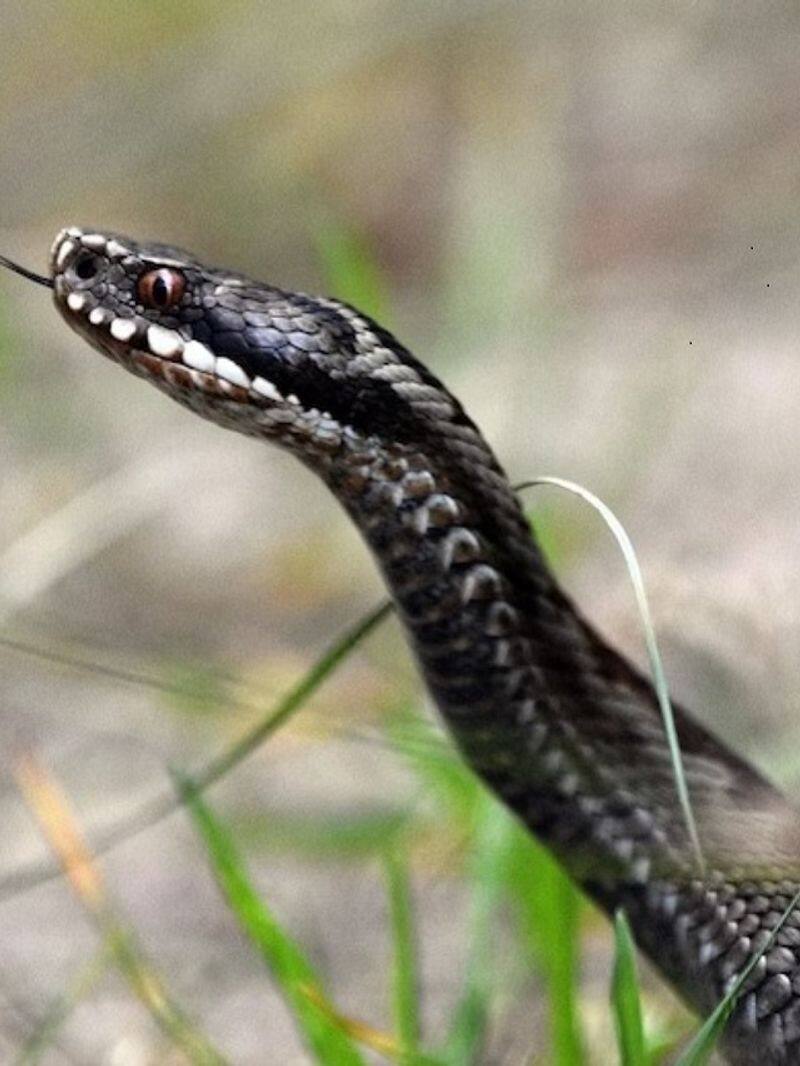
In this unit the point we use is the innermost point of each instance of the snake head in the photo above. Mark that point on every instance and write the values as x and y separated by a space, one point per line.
285 365
194 331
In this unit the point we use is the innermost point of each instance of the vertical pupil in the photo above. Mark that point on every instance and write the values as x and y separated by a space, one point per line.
160 290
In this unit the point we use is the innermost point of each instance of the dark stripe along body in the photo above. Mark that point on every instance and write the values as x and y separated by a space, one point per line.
563 728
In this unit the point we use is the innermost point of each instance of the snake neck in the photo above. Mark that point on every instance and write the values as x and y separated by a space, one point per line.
503 652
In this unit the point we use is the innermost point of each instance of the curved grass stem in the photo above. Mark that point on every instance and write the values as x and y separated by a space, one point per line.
653 654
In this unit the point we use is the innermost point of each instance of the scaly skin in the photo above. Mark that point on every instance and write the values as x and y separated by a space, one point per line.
563 728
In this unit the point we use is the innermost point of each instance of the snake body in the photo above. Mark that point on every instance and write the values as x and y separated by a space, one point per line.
558 724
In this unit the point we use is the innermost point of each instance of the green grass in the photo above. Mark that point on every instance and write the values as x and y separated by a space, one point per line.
626 1004
405 976
285 960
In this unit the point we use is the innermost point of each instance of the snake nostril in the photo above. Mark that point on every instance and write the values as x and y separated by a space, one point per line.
86 266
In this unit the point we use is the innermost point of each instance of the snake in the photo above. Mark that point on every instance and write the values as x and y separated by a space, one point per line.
557 723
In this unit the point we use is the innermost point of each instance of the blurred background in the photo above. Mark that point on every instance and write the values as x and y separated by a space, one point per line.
584 218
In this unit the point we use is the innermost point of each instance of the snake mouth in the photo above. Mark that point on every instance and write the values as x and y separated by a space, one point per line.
165 356
192 374
162 354
171 369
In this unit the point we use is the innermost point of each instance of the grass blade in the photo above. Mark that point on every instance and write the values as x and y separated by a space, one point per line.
405 982
160 807
294 700
292 971
488 853
653 654
476 816
625 998
547 908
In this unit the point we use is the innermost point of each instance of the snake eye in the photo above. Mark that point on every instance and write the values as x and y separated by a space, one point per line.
161 289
